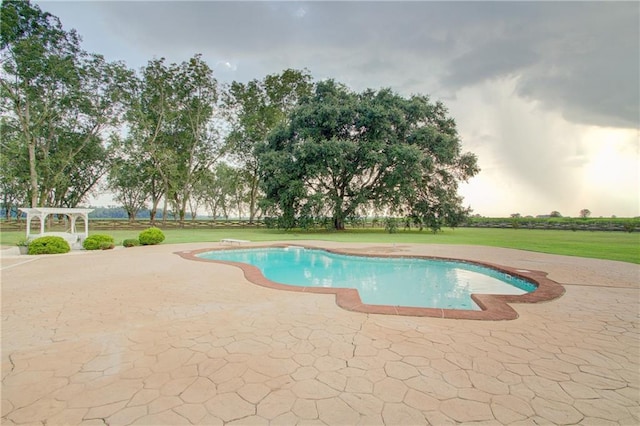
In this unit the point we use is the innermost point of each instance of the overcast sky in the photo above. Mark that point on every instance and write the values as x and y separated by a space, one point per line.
545 93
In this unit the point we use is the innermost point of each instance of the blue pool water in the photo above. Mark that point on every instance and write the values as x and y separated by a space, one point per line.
380 281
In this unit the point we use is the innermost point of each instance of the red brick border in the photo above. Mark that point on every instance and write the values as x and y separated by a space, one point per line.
493 307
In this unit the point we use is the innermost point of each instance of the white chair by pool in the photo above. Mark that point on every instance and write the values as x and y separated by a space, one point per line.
233 241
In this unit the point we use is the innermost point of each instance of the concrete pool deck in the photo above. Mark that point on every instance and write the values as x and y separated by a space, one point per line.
143 336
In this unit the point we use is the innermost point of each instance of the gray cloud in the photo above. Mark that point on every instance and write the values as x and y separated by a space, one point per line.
580 60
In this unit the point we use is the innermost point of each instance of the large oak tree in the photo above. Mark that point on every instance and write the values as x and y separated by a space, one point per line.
343 153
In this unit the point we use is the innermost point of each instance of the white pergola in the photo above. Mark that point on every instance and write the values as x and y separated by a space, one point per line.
73 214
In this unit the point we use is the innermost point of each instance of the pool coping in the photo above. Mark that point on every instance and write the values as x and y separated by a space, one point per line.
494 307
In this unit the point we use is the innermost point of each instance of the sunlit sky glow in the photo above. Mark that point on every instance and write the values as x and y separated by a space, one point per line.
545 93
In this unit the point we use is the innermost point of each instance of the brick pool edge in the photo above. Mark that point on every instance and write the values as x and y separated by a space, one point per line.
493 307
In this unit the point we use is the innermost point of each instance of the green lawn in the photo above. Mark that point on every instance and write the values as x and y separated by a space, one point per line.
602 245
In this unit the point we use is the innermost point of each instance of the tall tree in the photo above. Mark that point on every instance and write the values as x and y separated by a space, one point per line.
254 109
193 141
132 177
14 170
171 119
344 151
61 98
151 109
36 54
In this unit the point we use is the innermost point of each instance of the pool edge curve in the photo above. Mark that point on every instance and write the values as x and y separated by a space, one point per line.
494 307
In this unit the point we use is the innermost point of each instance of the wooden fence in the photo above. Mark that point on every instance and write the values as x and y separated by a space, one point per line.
117 224
631 225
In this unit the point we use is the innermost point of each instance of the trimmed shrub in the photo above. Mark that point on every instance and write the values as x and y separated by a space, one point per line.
131 242
151 236
49 245
106 245
94 242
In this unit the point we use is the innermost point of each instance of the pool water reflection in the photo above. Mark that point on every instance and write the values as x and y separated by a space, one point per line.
408 282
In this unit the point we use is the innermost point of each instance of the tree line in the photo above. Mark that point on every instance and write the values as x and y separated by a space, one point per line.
170 137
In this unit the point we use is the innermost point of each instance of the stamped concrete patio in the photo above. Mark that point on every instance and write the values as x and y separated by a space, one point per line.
143 336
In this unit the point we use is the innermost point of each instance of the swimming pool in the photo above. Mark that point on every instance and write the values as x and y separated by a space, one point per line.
410 282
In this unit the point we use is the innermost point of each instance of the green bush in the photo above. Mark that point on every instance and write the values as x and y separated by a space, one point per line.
49 245
131 242
106 245
94 242
151 236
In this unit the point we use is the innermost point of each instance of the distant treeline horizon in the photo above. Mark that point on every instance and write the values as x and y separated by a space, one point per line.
115 212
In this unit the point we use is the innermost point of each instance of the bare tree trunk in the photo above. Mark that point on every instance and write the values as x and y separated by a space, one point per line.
33 174
252 198
164 207
164 211
154 209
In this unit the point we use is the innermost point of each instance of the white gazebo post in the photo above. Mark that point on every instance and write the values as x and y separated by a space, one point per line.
43 218
28 223
85 217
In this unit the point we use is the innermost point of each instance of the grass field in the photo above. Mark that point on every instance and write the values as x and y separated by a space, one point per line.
602 245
